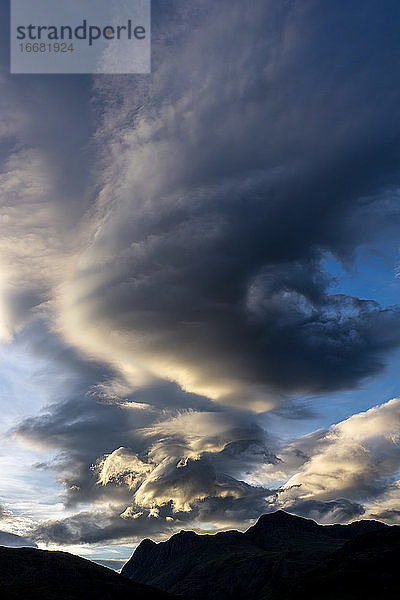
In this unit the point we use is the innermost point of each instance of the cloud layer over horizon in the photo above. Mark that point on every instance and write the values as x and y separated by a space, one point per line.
186 477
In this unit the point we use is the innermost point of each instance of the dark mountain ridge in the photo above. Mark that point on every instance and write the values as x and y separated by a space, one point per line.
31 574
274 556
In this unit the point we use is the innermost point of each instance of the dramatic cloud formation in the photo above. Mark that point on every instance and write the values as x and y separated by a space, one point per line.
191 459
386 506
42 183
223 193
183 472
332 511
163 248
200 260
177 464
358 459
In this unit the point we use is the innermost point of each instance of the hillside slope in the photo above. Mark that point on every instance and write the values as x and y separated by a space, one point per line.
30 574
275 555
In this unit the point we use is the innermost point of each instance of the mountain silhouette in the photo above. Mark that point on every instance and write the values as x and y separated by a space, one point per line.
281 557
31 574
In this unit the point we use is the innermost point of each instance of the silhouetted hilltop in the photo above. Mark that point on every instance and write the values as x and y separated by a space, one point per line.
280 556
364 568
30 574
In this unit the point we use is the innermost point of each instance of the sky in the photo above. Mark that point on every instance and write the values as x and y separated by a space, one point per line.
199 279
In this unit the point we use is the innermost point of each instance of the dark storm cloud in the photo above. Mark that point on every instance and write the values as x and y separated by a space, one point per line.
269 139
160 477
53 115
200 495
137 522
334 511
388 516
92 414
221 189
172 459
147 460
46 124
130 452
94 527
101 526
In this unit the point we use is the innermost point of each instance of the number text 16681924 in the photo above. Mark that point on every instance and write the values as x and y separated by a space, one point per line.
46 47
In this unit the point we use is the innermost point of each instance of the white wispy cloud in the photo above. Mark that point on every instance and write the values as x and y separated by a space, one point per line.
358 459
